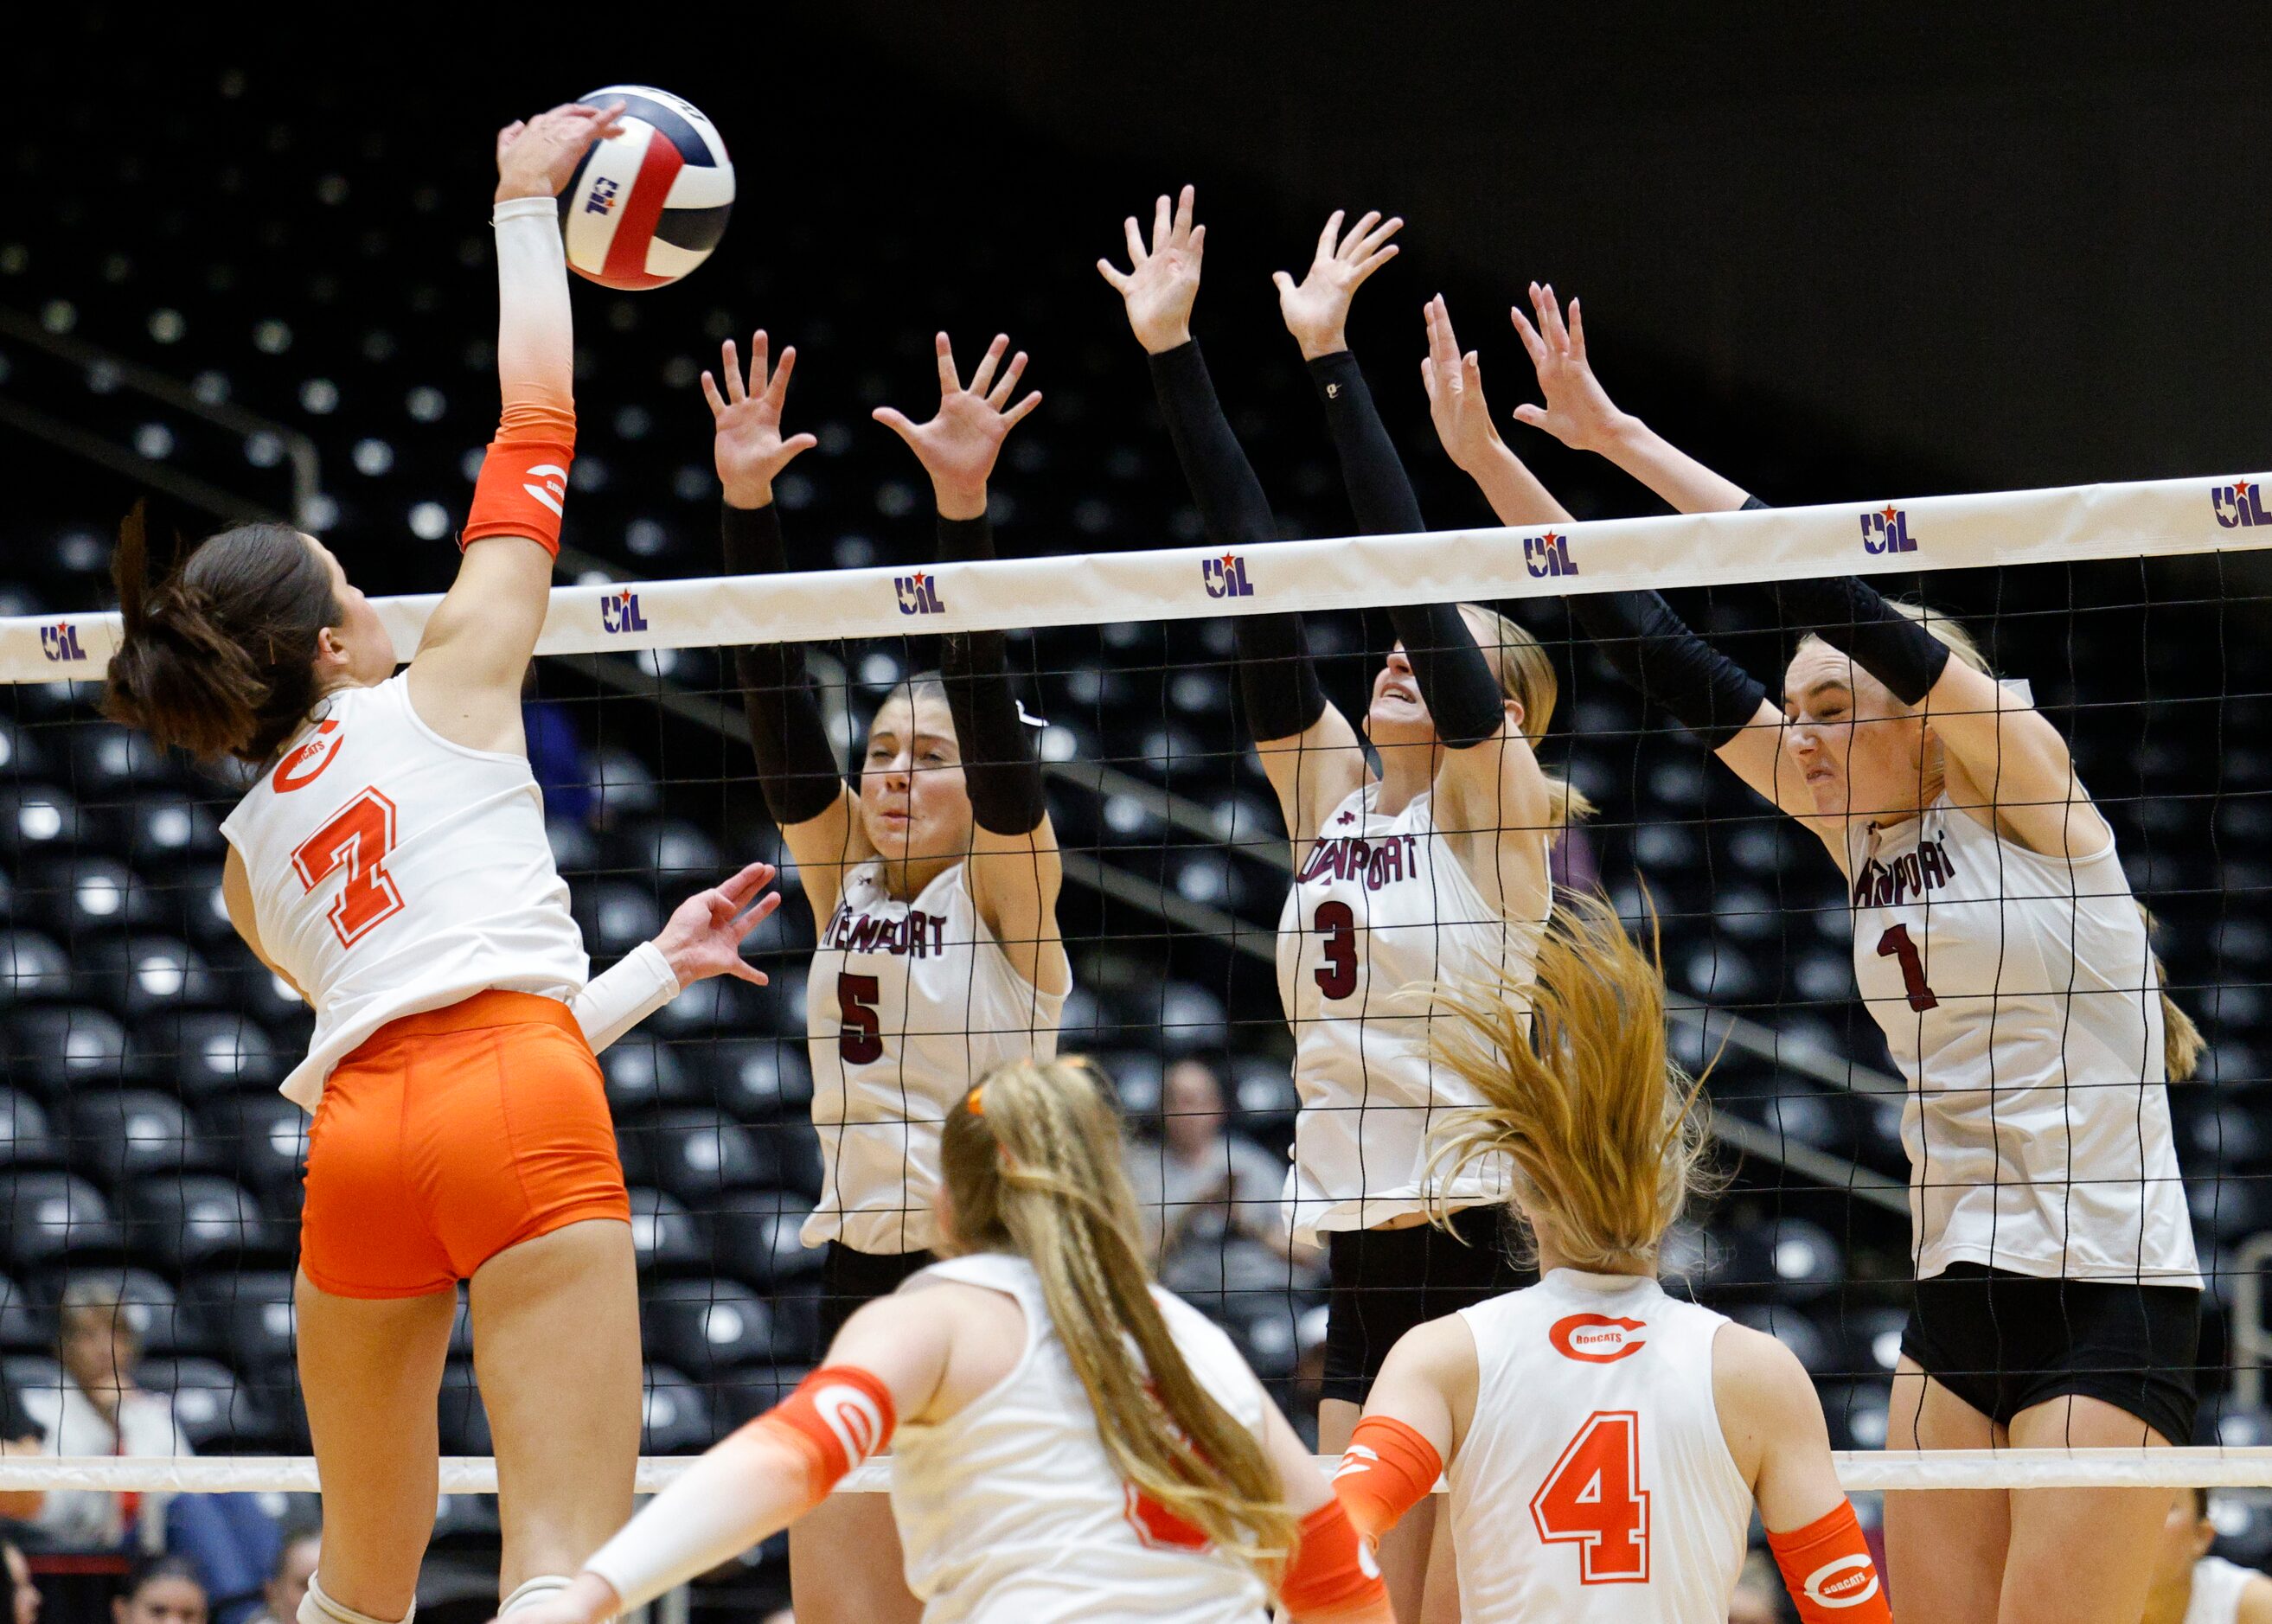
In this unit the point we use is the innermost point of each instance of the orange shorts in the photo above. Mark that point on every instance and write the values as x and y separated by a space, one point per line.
448 1136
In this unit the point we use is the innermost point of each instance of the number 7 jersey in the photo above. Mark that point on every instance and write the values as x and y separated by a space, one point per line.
394 872
1594 1485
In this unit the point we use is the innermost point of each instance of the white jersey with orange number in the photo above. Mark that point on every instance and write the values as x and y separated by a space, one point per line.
2018 996
1595 1485
1382 909
2218 1586
394 872
909 1004
1010 1512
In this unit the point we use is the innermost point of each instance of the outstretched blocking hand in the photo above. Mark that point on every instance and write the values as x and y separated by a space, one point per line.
703 936
1455 394
536 157
957 446
1578 410
1317 308
1162 280
749 449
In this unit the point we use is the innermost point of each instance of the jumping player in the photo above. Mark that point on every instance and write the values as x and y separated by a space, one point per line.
1605 1444
390 862
1999 947
1071 1442
933 889
1436 868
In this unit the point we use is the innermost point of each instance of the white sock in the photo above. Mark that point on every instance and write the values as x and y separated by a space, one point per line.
533 1590
318 1608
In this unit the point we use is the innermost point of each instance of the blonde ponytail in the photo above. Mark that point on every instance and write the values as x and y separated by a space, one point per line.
1032 1163
2182 1043
1605 1130
1526 675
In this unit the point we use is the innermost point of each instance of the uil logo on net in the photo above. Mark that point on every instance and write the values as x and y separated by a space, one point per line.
1886 530
620 612
1548 555
1225 577
59 642
2239 504
918 593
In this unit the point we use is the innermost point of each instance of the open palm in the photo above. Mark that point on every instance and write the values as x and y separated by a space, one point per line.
749 448
1162 280
958 446
1317 308
1578 410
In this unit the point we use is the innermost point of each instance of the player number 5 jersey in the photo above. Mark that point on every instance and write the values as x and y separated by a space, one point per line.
394 872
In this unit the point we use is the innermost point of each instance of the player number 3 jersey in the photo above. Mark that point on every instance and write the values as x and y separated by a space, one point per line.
394 872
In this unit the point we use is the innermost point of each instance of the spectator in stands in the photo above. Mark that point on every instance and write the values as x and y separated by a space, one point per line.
24 1597
164 1590
1759 1593
1202 1185
287 1582
98 1410
2189 1583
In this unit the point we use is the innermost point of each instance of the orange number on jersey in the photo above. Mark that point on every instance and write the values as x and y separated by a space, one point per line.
1158 1528
1593 1498
358 836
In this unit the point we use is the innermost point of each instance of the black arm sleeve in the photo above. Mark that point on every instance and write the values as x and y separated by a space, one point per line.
999 766
796 768
1652 649
1455 679
1275 674
1848 613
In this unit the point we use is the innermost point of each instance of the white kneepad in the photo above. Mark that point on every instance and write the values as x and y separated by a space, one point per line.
542 1588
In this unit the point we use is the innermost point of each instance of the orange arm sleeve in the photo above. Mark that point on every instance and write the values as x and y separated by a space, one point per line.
1828 1570
1333 1578
1388 1469
839 1416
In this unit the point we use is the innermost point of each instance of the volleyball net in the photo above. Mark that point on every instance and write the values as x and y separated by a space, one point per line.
147 1150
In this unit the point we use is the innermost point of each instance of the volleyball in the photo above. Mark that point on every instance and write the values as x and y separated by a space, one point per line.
647 206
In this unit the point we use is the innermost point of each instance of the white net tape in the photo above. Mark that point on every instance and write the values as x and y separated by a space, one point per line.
1860 1472
2146 520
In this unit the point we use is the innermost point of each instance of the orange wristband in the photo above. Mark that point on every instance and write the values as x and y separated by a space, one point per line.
1332 1575
839 1416
1828 1570
520 492
1388 1469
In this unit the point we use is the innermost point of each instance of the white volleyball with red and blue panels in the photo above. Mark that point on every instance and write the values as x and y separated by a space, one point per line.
647 206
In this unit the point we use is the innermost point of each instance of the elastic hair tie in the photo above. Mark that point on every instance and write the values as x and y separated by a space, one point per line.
975 1102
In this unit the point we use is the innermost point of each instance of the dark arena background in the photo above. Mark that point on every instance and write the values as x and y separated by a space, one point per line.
1859 255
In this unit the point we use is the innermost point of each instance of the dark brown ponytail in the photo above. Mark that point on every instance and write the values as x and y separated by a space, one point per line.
219 656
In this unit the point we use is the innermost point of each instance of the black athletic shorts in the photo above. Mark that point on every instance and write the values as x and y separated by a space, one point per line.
848 1279
1386 1281
2003 1342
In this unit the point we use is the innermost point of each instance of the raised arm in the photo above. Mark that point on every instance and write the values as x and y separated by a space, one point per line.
1013 867
1578 413
1491 797
1772 1421
465 679
797 769
1308 748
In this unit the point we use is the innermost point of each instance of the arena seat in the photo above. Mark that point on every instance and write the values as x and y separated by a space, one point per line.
754 1079
31 966
125 1134
53 1218
665 1236
264 1137
643 1072
703 1326
696 1154
54 1048
26 1138
676 1417
745 1394
248 1312
1795 1330
198 1220
206 1054
145 975
755 1237
77 895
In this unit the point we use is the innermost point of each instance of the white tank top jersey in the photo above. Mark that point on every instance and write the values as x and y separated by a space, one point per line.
909 1004
1382 904
1011 1512
1595 1485
2018 996
394 872
2217 1587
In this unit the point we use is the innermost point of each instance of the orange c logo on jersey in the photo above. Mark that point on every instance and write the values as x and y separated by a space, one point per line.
304 766
1595 1338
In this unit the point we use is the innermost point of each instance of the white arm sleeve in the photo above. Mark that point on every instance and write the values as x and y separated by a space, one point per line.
746 1489
537 344
613 1002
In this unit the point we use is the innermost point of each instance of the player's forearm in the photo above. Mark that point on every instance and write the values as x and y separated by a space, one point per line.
1514 492
536 347
1231 499
999 768
1686 484
1380 490
617 1000
796 765
746 1489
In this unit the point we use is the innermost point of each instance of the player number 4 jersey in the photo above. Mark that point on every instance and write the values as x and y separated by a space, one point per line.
394 872
1595 1485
